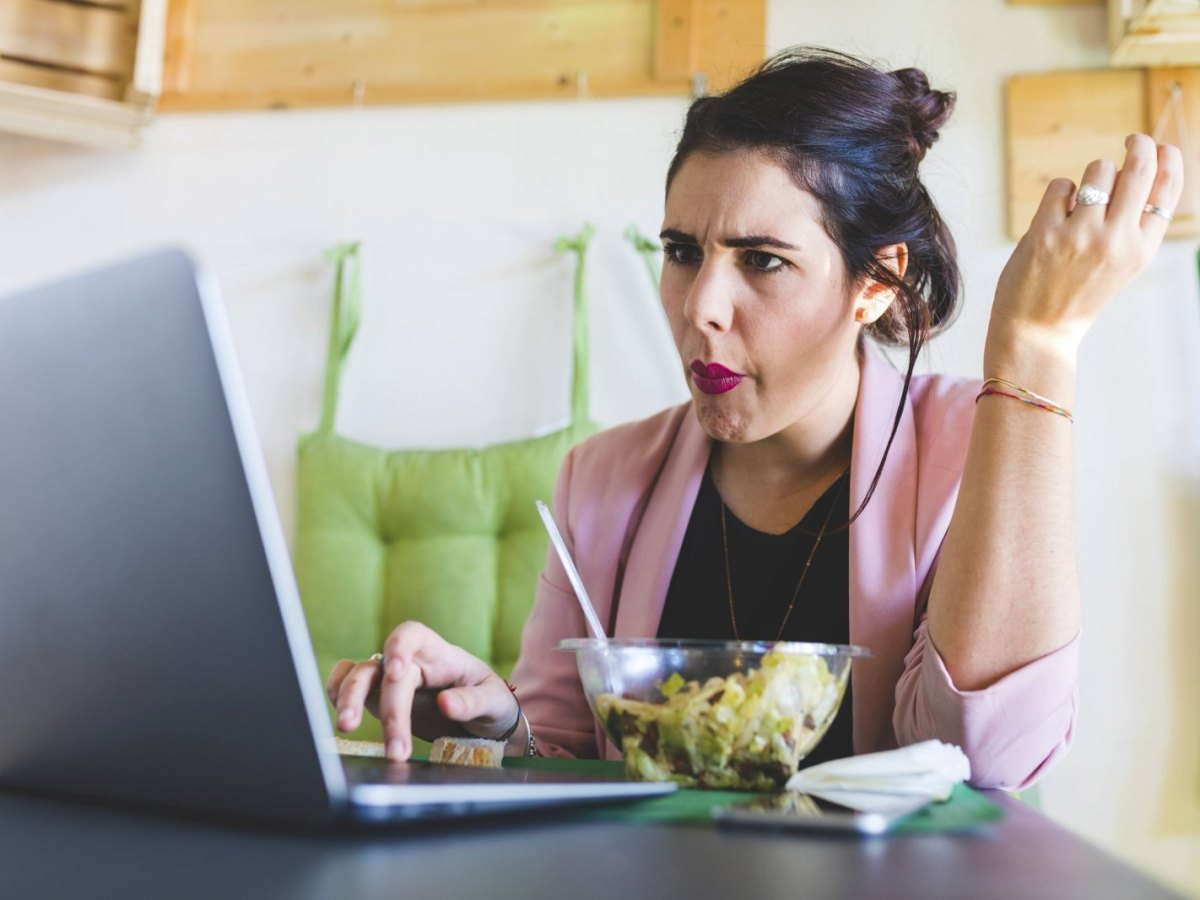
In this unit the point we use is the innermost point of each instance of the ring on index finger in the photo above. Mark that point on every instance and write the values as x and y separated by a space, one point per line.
1090 195
1158 211
377 658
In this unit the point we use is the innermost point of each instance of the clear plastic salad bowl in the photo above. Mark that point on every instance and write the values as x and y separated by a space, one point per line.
719 714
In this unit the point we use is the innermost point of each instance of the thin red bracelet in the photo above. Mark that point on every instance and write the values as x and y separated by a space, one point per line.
1048 407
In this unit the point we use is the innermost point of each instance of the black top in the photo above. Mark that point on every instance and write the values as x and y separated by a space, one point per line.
764 569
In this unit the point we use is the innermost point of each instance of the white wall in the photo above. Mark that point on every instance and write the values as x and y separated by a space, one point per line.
466 332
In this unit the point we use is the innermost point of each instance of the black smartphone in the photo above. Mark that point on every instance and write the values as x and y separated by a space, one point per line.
793 810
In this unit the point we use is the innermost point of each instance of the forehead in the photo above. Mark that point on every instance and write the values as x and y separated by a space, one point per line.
740 192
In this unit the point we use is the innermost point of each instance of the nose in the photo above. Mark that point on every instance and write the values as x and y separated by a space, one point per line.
708 304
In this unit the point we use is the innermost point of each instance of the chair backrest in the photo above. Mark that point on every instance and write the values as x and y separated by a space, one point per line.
450 538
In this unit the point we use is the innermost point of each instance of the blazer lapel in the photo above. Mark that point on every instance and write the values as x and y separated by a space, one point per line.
655 547
882 558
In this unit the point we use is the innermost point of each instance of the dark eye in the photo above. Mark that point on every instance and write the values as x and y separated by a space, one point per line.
763 261
681 254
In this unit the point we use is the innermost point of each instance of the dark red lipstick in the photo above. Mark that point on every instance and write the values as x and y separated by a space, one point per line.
714 378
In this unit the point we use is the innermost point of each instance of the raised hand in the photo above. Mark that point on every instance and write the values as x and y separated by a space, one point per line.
1083 246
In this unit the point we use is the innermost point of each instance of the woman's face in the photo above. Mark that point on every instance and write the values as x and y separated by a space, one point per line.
758 300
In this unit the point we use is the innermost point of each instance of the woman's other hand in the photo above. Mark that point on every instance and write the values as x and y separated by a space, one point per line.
469 696
1075 256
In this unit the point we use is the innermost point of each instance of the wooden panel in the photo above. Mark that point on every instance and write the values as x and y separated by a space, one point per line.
58 80
732 41
70 117
1061 121
273 53
180 39
677 51
96 39
1058 123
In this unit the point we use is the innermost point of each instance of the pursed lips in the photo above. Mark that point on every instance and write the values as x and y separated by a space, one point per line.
714 378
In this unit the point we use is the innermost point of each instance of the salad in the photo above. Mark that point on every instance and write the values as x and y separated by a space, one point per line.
746 731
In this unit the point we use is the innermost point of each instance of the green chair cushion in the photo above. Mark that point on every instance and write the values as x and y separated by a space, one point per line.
450 538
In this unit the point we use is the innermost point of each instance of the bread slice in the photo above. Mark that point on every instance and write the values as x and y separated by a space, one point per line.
455 751
347 747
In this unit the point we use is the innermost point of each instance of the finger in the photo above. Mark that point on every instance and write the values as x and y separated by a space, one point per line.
1099 175
489 708
400 682
1166 190
442 664
352 694
1056 203
1134 180
337 674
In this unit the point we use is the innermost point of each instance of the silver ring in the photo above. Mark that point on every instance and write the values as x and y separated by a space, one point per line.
376 657
1158 211
1090 195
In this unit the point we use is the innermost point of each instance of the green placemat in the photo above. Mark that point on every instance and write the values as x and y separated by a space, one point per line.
965 809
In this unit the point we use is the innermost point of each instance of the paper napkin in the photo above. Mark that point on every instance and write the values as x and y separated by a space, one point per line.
886 782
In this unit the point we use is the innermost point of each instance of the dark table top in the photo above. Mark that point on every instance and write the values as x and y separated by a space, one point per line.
59 849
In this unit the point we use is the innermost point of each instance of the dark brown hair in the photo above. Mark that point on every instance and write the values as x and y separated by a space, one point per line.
853 136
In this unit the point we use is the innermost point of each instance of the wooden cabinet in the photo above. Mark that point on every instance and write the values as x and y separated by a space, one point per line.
1154 32
83 72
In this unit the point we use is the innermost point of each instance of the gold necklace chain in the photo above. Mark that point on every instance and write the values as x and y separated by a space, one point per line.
803 572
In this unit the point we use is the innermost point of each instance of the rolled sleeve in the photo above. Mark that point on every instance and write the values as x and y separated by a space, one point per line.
1013 731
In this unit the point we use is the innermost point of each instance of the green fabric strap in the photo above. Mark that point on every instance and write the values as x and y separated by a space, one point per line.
580 373
347 311
650 252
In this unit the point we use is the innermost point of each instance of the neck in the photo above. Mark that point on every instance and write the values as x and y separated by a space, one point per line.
771 483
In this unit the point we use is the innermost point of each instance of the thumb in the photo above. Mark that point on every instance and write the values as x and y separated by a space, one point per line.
488 708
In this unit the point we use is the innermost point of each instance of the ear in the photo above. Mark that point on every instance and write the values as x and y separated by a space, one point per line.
874 297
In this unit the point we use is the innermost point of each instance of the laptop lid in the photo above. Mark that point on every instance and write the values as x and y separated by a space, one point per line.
153 648
143 655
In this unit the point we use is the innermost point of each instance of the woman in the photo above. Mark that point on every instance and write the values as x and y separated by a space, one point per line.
795 227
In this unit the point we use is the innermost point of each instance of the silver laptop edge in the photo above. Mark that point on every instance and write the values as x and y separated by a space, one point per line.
274 545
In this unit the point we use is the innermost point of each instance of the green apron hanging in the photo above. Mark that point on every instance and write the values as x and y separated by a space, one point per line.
450 538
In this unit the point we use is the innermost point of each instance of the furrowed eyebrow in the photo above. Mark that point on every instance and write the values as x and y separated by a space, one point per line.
752 241
749 242
671 234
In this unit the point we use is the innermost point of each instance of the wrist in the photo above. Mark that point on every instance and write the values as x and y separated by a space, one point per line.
1042 359
521 741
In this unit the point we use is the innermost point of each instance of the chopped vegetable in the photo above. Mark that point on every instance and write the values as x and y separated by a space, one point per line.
747 731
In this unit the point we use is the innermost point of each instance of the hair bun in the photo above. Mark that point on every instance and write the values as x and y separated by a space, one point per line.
928 109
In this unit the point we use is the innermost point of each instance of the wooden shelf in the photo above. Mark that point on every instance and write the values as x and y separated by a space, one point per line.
281 53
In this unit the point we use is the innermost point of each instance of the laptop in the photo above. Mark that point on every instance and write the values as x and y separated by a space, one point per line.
153 649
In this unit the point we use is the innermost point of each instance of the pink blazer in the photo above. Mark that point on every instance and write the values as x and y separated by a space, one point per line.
623 501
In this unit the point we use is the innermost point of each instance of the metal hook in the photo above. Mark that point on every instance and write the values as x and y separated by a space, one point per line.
699 85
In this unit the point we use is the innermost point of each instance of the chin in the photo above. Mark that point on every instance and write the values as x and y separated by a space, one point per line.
721 424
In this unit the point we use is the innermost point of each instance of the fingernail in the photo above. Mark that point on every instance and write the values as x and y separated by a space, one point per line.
397 750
